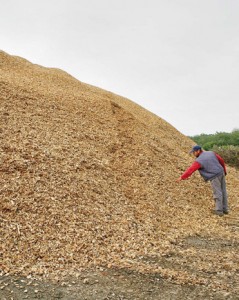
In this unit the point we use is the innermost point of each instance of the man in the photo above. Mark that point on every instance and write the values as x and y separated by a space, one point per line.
212 168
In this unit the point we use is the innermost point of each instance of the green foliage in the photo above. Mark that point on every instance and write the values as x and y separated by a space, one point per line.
207 141
229 153
223 143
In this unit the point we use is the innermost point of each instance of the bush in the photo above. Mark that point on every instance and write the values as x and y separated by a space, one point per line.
230 154
207 141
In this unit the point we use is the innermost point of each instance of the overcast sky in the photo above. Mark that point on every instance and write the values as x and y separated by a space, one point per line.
176 58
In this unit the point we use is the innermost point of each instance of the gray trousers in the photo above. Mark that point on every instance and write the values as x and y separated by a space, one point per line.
220 193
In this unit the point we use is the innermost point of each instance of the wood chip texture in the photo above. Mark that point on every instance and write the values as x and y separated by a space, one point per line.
88 180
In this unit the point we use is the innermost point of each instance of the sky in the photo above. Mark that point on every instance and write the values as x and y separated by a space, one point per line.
177 58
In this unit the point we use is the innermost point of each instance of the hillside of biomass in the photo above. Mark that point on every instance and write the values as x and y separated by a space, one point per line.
88 180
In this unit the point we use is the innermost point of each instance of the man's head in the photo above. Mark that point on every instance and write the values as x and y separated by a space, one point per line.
196 150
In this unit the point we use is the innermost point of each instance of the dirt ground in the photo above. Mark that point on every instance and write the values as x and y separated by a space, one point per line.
122 284
110 284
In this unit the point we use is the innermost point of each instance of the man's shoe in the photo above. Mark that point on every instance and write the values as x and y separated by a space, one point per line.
226 212
218 213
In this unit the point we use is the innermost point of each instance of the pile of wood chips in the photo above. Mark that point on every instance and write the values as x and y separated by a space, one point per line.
88 180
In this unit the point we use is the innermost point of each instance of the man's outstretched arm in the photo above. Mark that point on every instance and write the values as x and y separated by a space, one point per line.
194 167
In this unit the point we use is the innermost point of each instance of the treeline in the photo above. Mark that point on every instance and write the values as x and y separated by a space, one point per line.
225 144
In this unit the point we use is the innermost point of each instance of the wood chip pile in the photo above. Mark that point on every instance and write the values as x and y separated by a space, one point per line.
88 179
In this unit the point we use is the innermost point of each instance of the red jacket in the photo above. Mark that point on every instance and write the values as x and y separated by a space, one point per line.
196 166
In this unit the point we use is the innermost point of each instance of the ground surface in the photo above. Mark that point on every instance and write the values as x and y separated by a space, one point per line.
106 284
109 284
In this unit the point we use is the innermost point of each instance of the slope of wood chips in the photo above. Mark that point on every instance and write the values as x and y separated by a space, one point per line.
88 180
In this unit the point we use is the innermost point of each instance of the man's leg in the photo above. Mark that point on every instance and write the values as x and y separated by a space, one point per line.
217 193
224 194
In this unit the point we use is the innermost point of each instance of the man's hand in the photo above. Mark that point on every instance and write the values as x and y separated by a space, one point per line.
179 179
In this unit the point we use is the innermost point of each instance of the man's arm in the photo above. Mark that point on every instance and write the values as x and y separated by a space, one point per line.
194 167
221 161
